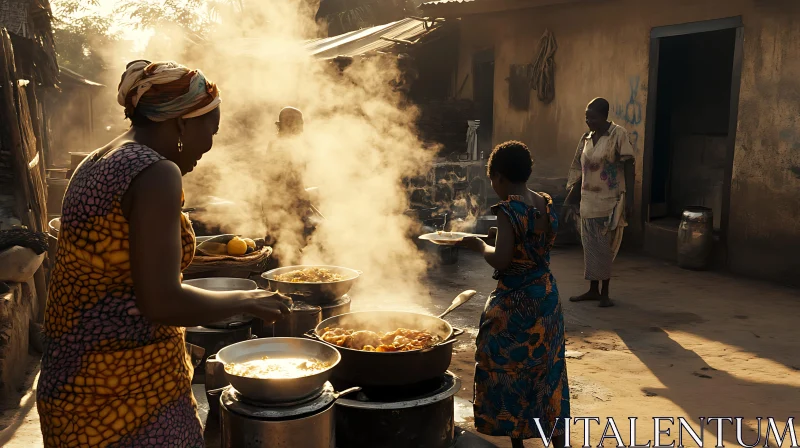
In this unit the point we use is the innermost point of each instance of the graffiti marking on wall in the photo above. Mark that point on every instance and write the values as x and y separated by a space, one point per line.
631 112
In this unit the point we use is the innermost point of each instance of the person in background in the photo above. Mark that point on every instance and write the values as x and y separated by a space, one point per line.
520 372
291 126
290 122
603 173
115 370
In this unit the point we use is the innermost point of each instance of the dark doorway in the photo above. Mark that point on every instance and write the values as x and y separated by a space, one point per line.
694 102
483 95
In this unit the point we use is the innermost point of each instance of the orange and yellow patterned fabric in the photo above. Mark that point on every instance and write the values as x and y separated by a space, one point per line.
520 370
110 377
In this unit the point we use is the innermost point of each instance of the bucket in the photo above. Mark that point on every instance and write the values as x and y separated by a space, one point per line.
484 223
696 238
53 227
448 255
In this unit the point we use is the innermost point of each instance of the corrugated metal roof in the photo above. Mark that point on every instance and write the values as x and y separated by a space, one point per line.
459 8
443 2
440 4
354 43
456 8
69 75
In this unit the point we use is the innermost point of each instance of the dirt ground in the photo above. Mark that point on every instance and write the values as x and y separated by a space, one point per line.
678 344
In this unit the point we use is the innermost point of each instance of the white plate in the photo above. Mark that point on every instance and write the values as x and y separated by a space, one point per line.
448 238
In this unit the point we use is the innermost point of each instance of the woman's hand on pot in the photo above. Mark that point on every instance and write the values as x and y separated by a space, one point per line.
267 305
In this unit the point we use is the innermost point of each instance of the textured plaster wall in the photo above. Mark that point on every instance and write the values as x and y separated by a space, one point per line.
603 50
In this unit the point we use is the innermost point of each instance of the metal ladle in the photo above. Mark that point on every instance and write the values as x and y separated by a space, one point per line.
461 299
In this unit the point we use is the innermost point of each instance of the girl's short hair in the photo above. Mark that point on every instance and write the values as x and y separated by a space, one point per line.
511 159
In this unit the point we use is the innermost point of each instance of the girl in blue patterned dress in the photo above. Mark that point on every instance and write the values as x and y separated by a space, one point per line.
520 372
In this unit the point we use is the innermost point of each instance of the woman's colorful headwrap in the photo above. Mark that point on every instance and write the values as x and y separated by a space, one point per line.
164 90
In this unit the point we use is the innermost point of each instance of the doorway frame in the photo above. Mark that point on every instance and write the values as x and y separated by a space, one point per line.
656 34
485 56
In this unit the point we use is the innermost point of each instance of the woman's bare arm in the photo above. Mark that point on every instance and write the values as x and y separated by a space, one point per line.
153 204
501 255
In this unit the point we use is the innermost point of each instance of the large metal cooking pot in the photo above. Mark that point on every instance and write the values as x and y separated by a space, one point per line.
225 284
370 369
316 293
285 389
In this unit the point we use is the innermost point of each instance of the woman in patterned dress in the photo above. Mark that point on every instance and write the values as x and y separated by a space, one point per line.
115 371
520 372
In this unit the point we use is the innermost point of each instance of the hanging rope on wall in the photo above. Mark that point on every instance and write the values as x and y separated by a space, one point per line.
542 72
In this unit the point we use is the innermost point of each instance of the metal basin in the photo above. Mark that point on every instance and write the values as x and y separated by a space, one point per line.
225 284
317 293
281 390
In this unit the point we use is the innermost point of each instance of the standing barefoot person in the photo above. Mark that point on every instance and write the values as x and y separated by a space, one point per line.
520 374
603 170
115 371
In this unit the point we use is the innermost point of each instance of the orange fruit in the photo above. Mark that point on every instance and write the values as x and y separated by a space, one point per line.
237 246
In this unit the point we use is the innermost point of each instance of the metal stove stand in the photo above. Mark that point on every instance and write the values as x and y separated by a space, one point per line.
420 416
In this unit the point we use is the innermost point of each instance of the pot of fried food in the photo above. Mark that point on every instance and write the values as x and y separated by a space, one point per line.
314 284
278 370
388 348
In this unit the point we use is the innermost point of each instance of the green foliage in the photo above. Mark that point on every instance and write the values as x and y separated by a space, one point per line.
190 15
82 34
81 37
70 8
196 17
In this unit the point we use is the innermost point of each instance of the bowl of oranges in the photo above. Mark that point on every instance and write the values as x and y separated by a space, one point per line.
228 245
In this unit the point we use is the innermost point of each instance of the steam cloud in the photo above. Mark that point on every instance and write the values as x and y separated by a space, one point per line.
359 144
